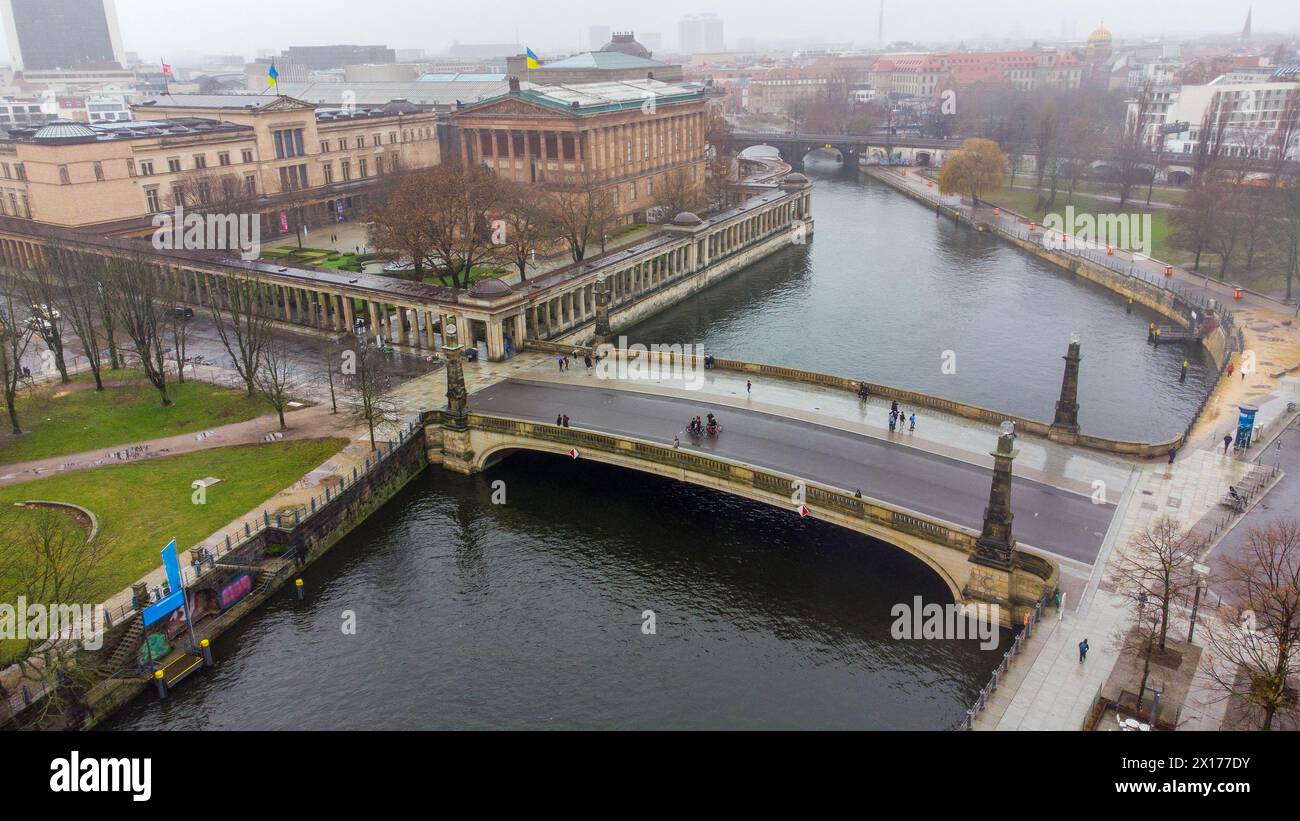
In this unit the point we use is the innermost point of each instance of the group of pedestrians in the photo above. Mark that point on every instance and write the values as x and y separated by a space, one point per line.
562 420
898 417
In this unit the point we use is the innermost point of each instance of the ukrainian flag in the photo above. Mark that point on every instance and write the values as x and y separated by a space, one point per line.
272 76
532 58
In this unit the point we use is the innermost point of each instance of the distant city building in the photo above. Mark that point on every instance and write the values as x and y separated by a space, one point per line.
1252 113
697 33
484 51
383 73
47 35
1100 45
926 75
597 131
622 58
324 57
257 72
180 146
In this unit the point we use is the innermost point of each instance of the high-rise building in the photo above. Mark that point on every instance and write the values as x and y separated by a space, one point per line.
700 33
597 37
47 35
325 57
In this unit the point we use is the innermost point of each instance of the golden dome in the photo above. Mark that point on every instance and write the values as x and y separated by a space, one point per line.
1101 35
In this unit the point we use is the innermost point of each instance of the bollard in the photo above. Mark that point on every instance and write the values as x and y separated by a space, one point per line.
161 684
206 647
297 586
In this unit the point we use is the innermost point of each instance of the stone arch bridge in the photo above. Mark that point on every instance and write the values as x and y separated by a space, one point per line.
980 565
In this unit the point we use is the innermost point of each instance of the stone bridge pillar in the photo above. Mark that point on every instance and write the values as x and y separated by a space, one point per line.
603 333
992 580
457 395
457 454
1065 427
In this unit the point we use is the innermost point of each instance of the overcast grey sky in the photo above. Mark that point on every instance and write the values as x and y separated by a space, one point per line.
177 28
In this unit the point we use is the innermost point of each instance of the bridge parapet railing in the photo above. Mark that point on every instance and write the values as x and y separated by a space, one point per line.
772 482
912 398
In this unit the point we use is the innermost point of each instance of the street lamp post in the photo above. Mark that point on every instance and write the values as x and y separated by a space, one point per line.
1204 573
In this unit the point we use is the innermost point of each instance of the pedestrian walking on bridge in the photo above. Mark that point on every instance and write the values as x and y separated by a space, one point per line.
1083 651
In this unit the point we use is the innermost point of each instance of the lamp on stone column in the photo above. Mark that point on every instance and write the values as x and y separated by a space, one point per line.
995 545
1065 426
457 417
603 334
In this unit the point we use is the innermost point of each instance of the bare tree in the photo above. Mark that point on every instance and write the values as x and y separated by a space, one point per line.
678 191
42 285
443 217
1257 655
178 327
1140 638
329 354
370 386
50 561
1156 569
1045 141
242 326
580 209
524 228
277 377
140 311
15 337
77 298
1131 148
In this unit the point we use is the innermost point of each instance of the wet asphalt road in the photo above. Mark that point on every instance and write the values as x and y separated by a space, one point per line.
1048 518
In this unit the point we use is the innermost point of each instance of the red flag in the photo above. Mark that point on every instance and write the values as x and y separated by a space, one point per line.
167 70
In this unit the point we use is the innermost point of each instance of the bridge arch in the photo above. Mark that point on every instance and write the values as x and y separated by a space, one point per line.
953 572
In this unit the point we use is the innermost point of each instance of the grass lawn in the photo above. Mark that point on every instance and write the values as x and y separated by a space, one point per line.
61 419
142 506
1025 202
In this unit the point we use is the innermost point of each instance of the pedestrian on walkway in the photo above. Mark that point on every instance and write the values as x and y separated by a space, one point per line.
559 420
893 407
1172 453
1083 651
559 362
676 443
566 420
749 388
1227 443
911 423
586 360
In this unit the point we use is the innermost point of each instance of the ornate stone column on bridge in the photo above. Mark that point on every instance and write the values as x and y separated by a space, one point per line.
603 334
995 545
1065 427
457 395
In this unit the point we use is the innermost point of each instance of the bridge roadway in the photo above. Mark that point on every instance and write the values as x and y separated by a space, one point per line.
1048 518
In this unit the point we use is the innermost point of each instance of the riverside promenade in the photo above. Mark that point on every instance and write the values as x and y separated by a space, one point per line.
1054 690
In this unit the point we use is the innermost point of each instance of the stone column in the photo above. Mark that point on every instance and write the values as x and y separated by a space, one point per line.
603 334
995 544
457 395
1065 427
